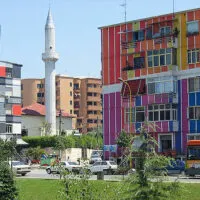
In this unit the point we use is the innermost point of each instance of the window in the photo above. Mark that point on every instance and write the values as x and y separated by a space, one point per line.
160 57
8 128
149 33
71 112
165 142
193 136
22 87
138 35
139 62
89 103
70 84
159 85
165 31
40 86
40 94
9 72
193 56
70 93
137 114
161 112
194 112
76 86
70 102
89 94
192 27
194 84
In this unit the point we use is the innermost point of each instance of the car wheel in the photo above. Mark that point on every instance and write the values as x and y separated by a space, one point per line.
48 171
23 174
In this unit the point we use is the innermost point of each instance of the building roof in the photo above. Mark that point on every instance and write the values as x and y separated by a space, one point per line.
131 21
37 109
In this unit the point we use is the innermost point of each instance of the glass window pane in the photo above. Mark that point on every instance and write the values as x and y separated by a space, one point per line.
139 116
155 52
197 112
168 87
158 88
193 57
168 59
156 107
150 116
167 106
151 88
189 57
162 51
162 115
162 106
149 53
169 50
191 85
162 59
156 60
192 27
167 115
156 114
150 107
150 61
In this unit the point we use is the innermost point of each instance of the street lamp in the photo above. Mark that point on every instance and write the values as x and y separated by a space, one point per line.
130 101
130 111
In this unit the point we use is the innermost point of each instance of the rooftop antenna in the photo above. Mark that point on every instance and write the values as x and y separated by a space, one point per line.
124 5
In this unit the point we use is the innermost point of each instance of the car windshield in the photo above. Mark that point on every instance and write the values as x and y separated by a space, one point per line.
113 163
17 163
95 156
72 163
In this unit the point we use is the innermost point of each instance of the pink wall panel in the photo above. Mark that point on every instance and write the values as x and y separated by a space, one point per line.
165 126
111 56
112 118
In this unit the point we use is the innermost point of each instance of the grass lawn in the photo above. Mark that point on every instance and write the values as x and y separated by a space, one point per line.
41 189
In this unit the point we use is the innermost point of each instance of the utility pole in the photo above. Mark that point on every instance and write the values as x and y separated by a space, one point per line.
97 130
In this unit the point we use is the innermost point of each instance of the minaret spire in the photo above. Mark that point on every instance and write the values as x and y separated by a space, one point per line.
50 57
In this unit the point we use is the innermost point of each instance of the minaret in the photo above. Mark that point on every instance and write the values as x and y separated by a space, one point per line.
50 57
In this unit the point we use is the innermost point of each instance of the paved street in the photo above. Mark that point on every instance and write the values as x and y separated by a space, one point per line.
41 173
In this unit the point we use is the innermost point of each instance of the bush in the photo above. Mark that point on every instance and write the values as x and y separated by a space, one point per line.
84 141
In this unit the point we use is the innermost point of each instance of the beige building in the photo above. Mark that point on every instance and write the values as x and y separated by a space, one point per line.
79 96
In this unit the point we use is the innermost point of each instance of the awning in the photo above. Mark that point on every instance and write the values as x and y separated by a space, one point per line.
21 142
136 86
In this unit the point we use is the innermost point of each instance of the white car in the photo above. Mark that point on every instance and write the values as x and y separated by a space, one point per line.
109 167
95 158
67 165
19 167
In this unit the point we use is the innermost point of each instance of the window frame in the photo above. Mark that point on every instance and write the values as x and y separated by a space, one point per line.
195 85
134 112
192 32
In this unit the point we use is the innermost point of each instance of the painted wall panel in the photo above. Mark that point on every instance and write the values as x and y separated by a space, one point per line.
117 54
16 110
191 99
192 126
2 127
105 56
118 113
198 98
16 128
198 126
190 16
111 56
2 71
106 119
165 126
16 91
138 100
16 71
2 109
112 118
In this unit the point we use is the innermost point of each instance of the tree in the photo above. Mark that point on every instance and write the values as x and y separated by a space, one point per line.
45 128
35 153
8 188
149 166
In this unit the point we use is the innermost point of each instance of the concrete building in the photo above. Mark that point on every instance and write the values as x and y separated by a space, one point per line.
79 96
10 100
150 71
50 57
34 124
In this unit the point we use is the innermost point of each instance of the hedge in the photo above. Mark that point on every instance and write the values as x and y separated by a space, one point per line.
84 141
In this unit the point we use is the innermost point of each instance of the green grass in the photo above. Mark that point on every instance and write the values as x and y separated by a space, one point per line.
40 189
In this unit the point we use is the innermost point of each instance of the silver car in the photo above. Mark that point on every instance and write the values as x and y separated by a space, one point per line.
19 167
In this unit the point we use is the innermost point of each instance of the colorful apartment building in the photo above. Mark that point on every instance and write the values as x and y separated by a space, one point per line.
79 96
10 100
151 69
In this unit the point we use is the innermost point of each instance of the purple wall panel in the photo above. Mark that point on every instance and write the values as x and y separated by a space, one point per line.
158 127
144 100
165 126
106 119
184 98
112 118
158 98
118 113
151 98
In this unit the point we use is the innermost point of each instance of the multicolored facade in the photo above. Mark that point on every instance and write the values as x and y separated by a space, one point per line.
10 100
151 68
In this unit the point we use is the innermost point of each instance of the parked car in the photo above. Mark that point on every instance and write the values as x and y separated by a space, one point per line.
67 165
108 167
19 167
95 158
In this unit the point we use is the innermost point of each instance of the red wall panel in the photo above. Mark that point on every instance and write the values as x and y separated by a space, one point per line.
117 54
2 71
16 110
111 56
105 55
190 16
191 42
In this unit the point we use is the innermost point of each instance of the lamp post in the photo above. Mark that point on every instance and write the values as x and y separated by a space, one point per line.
130 102
130 111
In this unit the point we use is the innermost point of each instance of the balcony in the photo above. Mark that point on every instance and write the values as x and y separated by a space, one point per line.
94 90
92 107
92 98
94 116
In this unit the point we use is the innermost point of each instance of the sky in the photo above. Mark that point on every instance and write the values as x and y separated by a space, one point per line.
78 39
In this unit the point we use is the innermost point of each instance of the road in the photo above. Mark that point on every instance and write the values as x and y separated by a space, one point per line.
41 173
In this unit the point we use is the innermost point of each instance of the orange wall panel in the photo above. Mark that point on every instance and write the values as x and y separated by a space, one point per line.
191 42
2 71
144 71
111 56
117 54
137 72
16 110
157 70
197 15
105 56
150 70
164 69
190 16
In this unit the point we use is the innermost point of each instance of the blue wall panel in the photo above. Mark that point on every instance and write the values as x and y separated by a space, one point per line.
138 101
191 99
198 126
137 126
198 98
192 126
171 126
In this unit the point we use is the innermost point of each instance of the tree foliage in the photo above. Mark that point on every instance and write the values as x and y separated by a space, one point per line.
8 189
